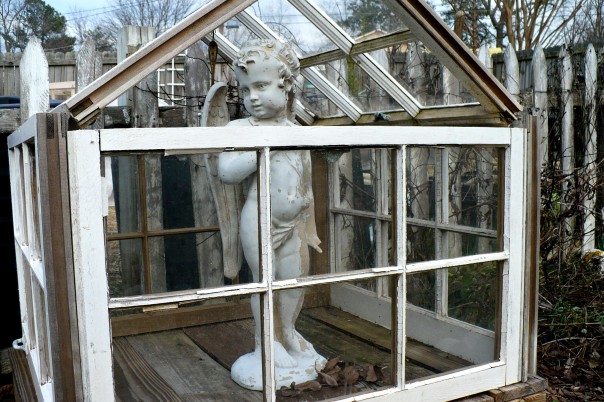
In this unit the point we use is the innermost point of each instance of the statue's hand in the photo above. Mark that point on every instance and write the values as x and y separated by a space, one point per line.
314 241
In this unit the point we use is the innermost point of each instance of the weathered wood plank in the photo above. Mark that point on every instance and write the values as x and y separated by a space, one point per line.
180 318
140 380
24 386
10 120
225 350
380 336
190 372
533 385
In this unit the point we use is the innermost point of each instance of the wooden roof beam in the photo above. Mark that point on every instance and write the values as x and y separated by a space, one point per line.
457 115
86 104
368 45
312 74
228 51
345 43
455 55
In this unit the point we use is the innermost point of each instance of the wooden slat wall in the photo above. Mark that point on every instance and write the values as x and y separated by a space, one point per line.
62 67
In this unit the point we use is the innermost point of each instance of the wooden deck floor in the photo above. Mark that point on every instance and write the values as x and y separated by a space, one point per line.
193 364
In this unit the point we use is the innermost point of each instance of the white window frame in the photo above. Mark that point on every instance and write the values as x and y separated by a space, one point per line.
31 276
468 341
85 149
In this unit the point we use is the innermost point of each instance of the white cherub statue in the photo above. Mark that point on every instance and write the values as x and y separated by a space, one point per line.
266 71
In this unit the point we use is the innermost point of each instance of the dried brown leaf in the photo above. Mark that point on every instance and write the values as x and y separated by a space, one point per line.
370 375
289 391
309 386
327 379
334 371
331 364
349 375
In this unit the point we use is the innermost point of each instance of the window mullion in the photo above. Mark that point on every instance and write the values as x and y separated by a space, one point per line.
266 268
400 212
442 236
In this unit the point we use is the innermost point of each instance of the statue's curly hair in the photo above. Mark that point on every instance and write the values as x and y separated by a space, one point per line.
266 48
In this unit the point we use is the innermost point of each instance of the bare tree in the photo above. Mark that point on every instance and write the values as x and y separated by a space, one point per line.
523 23
84 27
161 14
10 10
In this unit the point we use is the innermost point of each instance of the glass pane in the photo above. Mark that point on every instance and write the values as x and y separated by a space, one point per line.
125 272
357 247
467 336
421 290
191 362
473 187
464 244
285 20
123 195
474 294
339 345
452 202
363 180
421 244
314 99
421 189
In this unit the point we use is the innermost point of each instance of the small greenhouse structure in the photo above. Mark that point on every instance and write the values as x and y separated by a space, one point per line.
424 203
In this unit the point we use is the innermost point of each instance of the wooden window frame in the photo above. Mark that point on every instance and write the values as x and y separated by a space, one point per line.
84 155
144 232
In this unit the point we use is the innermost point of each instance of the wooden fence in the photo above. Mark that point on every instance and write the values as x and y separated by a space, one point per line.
561 87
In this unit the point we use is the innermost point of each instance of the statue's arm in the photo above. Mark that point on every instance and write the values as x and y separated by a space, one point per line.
233 167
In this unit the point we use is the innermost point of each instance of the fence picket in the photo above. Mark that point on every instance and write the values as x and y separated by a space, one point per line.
567 140
34 80
540 101
591 140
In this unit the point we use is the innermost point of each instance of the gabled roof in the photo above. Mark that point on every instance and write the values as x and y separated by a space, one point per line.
422 22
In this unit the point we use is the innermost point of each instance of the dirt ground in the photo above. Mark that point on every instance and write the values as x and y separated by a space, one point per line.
571 332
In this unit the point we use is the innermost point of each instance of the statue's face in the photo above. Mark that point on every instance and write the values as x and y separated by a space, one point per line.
263 96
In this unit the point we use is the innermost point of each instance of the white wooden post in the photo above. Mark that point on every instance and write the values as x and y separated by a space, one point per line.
512 71
591 137
540 101
568 143
89 67
34 80
89 265
485 57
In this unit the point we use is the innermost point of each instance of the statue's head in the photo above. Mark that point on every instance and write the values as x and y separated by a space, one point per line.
266 71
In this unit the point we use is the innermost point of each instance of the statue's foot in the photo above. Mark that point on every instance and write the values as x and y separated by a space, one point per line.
283 358
297 346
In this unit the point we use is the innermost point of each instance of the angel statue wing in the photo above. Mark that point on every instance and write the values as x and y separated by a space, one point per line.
228 198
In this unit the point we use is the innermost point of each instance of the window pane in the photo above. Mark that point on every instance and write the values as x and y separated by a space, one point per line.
159 357
357 243
421 201
421 244
125 272
363 180
465 337
123 195
336 339
474 294
473 187
421 290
